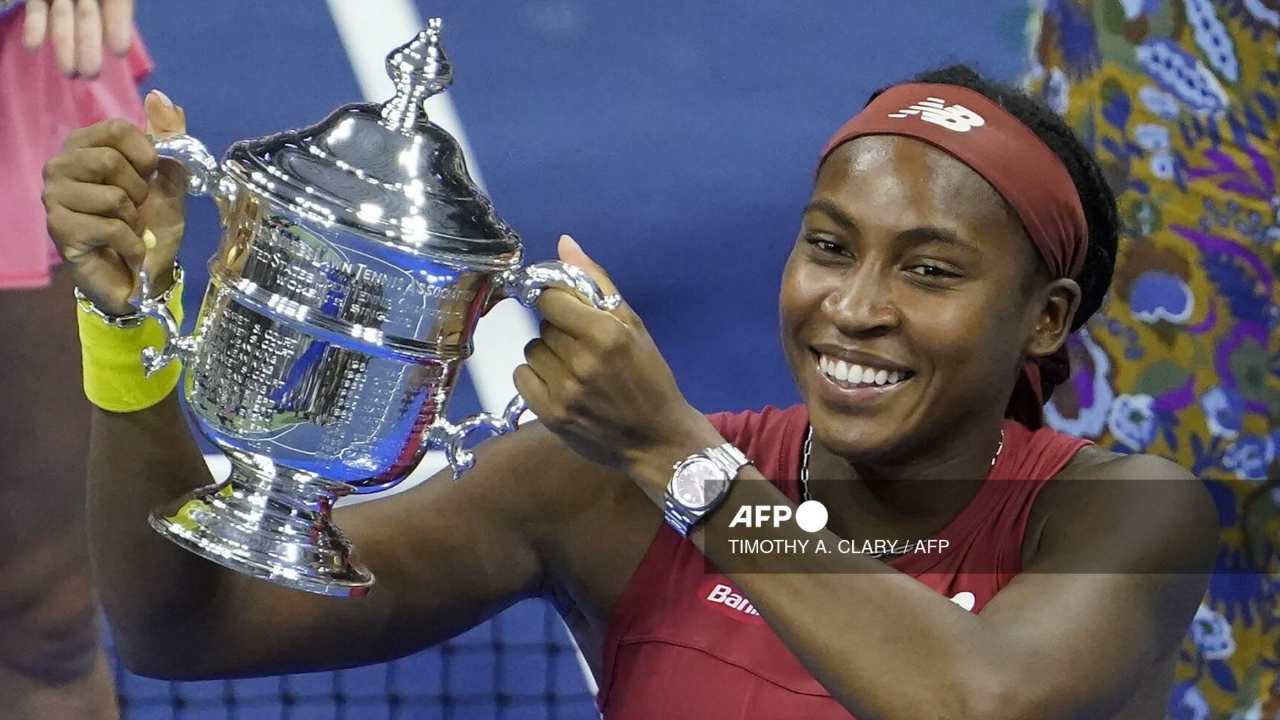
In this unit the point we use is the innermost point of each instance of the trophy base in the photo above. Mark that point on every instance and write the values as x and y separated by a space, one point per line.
274 526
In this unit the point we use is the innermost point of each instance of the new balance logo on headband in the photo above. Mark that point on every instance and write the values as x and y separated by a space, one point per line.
936 110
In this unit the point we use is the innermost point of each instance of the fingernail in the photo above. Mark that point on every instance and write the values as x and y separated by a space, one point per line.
571 241
164 99
148 238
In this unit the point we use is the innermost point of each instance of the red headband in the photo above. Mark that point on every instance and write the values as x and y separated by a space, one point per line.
1026 172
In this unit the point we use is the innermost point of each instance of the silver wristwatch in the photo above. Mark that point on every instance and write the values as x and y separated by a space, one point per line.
699 484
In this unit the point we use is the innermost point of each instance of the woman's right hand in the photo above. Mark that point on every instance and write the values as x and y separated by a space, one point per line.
111 205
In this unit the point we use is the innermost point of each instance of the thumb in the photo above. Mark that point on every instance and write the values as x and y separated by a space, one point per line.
573 254
163 116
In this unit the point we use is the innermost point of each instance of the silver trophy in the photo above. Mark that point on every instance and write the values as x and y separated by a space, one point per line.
357 257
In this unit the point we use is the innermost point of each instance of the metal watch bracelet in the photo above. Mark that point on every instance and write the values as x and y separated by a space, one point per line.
729 460
131 320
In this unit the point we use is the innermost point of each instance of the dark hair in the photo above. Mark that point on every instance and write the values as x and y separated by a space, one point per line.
1095 194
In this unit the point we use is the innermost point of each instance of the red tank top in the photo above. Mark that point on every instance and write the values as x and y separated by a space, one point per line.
683 643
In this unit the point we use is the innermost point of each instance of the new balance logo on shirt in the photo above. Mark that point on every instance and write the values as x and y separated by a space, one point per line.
936 110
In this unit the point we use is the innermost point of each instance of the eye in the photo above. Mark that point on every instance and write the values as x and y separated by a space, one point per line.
825 246
931 271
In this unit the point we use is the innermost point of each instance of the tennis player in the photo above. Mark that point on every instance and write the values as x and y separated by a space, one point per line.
956 233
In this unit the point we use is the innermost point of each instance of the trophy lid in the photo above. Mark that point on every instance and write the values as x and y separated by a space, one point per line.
385 171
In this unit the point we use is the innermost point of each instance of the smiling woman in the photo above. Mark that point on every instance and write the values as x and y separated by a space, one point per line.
942 210
957 233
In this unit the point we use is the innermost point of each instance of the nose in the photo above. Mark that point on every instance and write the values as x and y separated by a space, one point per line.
863 303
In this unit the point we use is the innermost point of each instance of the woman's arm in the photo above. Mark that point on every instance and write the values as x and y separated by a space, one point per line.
1071 636
1109 592
446 556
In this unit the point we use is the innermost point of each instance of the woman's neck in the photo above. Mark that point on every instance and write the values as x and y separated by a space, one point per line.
935 483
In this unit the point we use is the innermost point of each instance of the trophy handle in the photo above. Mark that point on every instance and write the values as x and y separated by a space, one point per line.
525 286
175 346
204 177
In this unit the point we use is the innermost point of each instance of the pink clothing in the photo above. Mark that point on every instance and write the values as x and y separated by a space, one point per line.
684 643
39 107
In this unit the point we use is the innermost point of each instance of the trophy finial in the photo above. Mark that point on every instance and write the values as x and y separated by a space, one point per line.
419 69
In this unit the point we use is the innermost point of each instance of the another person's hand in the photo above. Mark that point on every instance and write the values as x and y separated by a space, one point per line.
111 205
77 29
597 380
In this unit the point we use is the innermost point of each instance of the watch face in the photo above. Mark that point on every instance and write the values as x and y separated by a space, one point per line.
698 483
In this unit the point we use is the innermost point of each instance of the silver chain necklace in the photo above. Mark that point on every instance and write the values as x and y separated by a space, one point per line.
808 451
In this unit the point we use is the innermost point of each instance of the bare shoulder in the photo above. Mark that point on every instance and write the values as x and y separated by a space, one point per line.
1127 513
1093 462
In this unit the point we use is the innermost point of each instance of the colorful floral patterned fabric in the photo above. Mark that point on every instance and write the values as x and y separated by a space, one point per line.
1180 100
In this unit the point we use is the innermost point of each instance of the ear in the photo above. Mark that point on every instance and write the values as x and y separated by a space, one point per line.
1056 304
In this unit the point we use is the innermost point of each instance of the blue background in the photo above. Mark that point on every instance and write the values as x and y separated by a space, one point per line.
676 141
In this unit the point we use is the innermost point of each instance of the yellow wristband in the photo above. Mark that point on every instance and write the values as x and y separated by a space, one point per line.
113 376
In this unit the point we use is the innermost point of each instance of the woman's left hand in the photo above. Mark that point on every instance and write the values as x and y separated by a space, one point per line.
596 379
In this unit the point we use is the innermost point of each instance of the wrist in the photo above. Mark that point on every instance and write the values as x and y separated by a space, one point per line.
651 467
111 351
110 311
699 484
162 289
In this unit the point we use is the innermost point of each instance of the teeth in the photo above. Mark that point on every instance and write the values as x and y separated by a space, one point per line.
853 374
842 371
